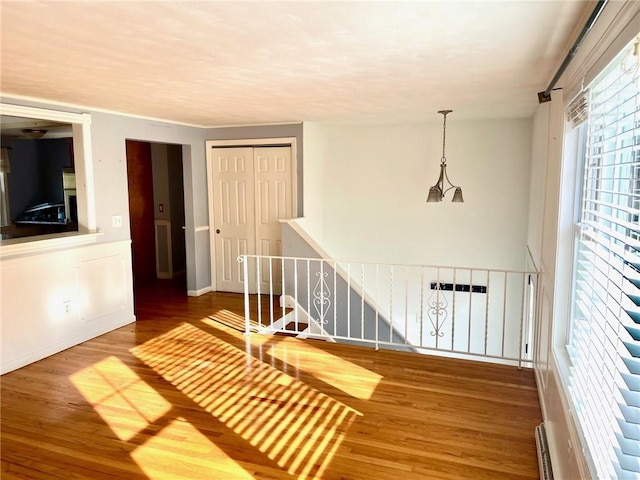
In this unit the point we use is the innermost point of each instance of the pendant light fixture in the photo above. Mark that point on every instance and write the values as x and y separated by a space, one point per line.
436 193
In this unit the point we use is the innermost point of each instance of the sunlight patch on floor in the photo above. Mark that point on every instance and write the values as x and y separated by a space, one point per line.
159 443
169 454
109 386
352 379
229 319
233 320
293 424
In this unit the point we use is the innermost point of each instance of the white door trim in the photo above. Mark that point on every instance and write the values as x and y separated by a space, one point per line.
253 142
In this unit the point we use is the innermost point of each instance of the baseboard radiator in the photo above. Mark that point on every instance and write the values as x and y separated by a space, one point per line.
544 460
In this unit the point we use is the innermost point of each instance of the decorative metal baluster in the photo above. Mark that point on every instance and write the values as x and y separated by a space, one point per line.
437 312
321 295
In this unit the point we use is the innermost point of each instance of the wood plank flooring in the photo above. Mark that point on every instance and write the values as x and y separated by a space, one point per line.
180 394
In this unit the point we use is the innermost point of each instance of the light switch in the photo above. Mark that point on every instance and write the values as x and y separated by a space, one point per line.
161 207
116 221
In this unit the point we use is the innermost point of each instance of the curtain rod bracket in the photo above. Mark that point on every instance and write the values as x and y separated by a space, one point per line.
544 97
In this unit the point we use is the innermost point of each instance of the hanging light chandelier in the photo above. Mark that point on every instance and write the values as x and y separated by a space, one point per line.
436 193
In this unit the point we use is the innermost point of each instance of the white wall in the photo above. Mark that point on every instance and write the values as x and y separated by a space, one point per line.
374 183
313 180
54 300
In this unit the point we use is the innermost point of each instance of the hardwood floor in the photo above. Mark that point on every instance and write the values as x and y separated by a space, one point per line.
182 394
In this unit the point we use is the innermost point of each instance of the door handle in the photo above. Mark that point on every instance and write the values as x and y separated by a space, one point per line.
217 230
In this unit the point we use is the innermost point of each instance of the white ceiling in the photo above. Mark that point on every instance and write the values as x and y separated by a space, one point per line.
223 63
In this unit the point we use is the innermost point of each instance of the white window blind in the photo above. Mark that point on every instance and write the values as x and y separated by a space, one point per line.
605 323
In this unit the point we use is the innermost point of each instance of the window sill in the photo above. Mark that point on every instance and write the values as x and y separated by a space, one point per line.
35 245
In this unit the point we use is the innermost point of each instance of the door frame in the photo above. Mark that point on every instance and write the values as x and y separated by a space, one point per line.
248 142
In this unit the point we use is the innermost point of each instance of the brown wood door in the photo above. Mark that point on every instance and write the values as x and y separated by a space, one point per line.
140 177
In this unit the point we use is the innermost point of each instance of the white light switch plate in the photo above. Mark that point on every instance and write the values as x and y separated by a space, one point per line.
116 221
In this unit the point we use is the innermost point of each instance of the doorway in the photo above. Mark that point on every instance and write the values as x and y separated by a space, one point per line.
251 188
156 212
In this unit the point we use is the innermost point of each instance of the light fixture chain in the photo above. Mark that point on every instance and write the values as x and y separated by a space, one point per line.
443 159
444 137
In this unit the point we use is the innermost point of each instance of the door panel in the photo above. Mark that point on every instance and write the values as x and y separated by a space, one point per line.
234 216
273 178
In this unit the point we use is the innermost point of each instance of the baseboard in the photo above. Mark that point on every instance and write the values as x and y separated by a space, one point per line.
202 291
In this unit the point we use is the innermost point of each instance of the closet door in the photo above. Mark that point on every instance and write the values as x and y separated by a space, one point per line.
252 192
233 204
274 202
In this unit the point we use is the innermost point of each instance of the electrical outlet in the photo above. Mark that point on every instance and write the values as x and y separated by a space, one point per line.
67 306
116 221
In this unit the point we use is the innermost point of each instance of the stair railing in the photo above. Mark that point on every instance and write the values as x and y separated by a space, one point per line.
450 311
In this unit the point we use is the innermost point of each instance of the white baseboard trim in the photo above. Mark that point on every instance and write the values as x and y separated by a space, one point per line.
202 291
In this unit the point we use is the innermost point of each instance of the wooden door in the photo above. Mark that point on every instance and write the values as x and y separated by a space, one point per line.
140 179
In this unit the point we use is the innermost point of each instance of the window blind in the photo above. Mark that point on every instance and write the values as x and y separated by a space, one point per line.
605 320
578 109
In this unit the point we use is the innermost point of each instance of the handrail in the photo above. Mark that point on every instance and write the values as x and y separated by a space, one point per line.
449 267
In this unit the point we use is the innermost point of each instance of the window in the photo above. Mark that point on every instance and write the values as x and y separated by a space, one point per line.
604 342
47 180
